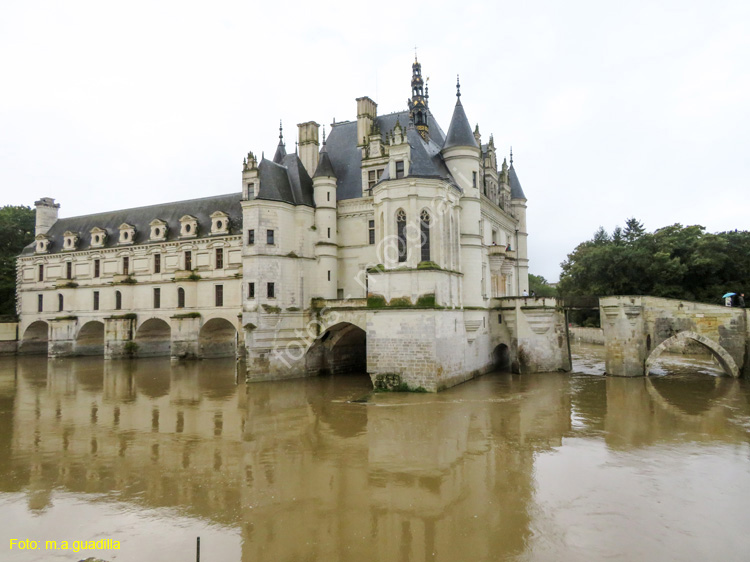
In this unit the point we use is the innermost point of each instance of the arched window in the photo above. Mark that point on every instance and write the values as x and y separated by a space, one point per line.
59 302
118 300
424 230
401 234
180 298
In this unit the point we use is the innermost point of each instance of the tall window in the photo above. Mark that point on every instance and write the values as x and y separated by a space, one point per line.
371 231
271 291
69 270
157 297
251 191
251 290
125 265
373 176
40 303
188 260
250 237
473 179
59 303
401 234
41 272
424 230
219 258
399 169
219 293
97 268
269 237
157 263
329 232
118 300
96 300
180 297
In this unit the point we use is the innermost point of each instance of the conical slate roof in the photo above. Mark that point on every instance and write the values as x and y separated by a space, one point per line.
459 131
325 168
280 153
516 192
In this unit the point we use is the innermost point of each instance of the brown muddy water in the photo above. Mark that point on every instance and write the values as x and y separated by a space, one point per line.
548 467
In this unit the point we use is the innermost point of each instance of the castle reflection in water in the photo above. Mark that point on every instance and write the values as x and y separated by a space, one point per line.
305 473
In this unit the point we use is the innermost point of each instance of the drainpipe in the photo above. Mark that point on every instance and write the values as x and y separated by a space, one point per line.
518 275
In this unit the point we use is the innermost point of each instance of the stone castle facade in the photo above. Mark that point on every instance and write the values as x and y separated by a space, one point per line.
384 247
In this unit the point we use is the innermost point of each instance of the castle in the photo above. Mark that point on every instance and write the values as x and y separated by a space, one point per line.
383 247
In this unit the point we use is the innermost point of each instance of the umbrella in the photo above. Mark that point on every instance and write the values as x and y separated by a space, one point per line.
728 295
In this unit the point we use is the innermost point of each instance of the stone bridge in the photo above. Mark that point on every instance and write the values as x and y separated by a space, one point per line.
637 329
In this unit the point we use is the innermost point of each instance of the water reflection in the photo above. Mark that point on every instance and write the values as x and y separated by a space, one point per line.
296 470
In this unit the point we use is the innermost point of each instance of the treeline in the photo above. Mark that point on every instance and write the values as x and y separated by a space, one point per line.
16 232
682 262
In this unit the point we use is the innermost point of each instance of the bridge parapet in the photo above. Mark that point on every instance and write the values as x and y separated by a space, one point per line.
636 326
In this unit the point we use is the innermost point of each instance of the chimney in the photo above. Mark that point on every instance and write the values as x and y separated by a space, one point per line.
46 214
308 145
367 110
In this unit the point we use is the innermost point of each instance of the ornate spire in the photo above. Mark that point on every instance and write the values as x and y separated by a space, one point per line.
511 155
281 133
458 87
418 102
281 149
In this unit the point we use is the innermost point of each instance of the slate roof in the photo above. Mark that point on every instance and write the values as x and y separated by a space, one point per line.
346 156
515 186
287 181
140 217
280 152
325 168
459 131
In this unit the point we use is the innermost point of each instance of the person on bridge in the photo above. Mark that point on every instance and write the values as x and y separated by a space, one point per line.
741 300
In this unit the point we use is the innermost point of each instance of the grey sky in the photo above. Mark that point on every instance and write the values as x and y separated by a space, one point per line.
613 109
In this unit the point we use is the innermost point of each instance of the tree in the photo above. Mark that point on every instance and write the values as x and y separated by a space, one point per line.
16 232
539 286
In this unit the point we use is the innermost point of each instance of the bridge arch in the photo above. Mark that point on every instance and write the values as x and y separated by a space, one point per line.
154 338
342 348
501 358
90 339
721 354
35 339
218 338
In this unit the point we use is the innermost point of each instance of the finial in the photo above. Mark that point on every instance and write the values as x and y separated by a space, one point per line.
458 87
415 53
295 146
324 134
511 155
281 132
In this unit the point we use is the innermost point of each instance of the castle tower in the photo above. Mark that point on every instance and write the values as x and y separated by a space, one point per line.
326 249
462 156
418 102
518 203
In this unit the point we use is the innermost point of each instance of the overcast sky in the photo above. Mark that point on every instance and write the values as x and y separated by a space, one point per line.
614 109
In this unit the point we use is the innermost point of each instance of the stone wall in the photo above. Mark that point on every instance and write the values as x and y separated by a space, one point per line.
579 334
8 338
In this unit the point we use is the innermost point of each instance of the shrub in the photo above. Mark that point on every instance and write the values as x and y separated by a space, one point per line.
375 301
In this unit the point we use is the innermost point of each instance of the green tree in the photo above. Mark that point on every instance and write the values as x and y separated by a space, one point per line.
539 286
16 232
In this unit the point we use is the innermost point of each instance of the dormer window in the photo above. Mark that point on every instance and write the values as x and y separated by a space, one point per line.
399 169
42 243
98 237
188 226
127 233
251 191
70 239
219 223
158 230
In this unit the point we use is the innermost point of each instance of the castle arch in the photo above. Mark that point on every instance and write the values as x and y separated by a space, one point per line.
90 339
35 339
501 358
342 348
218 338
722 356
153 338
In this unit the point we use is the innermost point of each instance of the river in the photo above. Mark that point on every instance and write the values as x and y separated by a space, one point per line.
547 467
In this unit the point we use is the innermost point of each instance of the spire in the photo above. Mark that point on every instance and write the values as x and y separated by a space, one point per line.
418 102
459 131
516 192
325 168
281 149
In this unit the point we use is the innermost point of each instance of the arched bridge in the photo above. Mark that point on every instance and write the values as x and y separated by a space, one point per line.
637 329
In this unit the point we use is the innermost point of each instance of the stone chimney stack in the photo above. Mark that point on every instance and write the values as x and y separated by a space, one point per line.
367 111
46 214
308 145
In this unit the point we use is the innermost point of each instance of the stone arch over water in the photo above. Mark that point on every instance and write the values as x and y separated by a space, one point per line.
218 338
35 340
719 353
342 348
90 339
501 358
154 338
